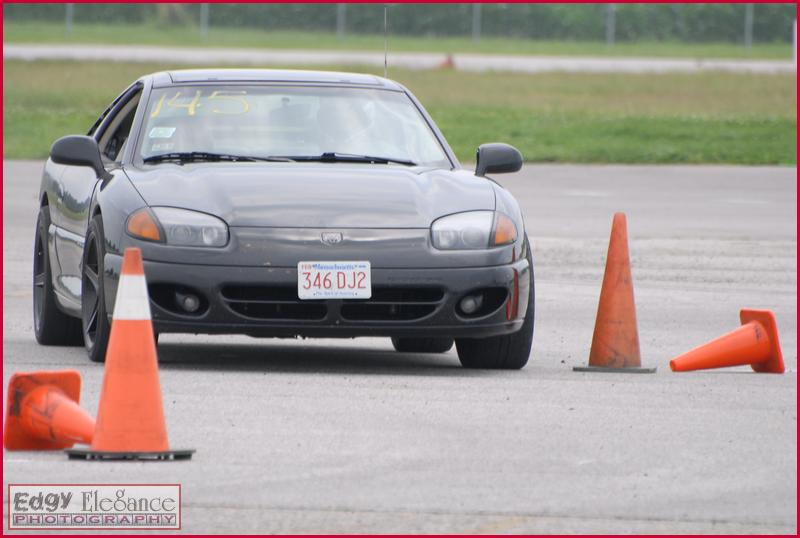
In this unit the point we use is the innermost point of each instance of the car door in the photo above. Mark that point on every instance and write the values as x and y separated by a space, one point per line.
76 187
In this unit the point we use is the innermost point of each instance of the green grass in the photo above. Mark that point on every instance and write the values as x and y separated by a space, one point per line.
553 117
151 34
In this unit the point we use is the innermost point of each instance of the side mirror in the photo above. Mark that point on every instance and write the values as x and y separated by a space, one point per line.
497 159
78 150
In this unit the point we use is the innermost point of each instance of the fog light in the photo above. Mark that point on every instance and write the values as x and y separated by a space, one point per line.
189 302
471 304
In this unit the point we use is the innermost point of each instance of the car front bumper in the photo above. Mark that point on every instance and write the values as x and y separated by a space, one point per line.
262 301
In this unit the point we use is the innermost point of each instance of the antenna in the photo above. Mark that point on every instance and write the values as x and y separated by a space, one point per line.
385 41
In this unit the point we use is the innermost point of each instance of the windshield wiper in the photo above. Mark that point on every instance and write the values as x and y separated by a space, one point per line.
196 156
334 157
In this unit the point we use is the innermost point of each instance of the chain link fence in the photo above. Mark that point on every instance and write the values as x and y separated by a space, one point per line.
696 23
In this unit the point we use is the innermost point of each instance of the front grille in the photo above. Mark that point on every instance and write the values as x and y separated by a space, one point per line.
390 304
272 302
282 303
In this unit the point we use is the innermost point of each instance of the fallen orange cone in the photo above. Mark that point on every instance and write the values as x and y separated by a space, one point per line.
42 412
755 343
130 418
448 62
615 342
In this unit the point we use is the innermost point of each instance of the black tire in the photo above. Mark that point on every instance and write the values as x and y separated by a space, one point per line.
94 318
51 326
505 352
422 345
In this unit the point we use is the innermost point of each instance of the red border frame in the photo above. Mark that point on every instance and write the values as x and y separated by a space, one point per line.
797 255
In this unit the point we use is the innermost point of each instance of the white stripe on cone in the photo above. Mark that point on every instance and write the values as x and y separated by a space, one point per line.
132 302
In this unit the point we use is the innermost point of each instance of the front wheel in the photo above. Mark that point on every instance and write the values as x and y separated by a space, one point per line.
51 326
505 352
94 318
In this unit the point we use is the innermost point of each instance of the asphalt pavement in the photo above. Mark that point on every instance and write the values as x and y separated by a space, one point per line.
409 60
349 436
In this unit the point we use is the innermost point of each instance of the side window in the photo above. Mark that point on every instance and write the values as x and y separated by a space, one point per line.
115 137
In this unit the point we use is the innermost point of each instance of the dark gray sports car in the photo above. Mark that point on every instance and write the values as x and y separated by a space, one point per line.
284 204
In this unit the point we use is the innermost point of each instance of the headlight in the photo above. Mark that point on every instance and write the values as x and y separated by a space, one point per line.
473 230
181 227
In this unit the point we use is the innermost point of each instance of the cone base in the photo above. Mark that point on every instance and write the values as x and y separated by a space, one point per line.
167 455
631 370
774 364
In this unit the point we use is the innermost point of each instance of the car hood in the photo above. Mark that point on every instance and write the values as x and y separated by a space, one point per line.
316 195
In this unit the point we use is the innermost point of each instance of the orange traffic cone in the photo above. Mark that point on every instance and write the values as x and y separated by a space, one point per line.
42 412
615 343
130 418
754 343
448 62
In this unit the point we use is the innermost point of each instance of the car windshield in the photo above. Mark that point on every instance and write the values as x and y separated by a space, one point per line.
329 124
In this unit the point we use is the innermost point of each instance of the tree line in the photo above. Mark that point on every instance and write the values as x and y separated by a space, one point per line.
578 22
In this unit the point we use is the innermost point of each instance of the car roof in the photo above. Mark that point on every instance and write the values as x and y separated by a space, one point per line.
269 76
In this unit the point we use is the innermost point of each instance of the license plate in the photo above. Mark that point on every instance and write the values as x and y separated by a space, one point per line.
334 280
